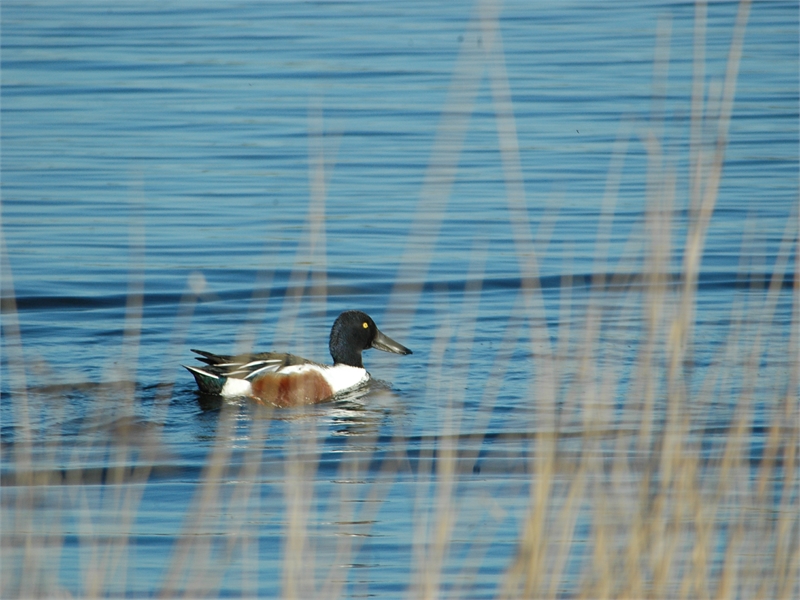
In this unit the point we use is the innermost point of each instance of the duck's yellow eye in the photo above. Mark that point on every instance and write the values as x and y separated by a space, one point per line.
365 325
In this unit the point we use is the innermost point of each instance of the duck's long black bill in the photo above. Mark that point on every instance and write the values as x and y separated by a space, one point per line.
387 344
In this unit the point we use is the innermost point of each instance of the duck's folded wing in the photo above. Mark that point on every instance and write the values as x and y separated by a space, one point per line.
247 366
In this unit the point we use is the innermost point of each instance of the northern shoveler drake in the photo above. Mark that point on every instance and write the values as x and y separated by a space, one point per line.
287 380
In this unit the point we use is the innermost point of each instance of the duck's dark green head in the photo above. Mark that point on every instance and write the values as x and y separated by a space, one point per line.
355 331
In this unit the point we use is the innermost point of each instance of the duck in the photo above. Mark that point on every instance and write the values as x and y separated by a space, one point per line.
282 380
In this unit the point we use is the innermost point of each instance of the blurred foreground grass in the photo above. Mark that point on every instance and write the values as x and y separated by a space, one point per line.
669 508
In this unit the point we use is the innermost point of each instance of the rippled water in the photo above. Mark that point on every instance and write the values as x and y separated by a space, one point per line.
233 176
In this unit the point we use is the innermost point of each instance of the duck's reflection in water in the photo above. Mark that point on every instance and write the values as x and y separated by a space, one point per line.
360 412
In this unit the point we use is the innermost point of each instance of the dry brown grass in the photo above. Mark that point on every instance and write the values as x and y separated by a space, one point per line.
663 517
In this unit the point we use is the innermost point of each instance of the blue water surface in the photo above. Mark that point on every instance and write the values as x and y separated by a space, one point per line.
229 176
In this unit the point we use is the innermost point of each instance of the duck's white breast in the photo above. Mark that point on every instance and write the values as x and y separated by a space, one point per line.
344 377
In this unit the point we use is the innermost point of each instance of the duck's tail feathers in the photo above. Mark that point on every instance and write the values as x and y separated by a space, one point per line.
207 382
210 358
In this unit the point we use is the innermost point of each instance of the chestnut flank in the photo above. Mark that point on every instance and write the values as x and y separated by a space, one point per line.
283 389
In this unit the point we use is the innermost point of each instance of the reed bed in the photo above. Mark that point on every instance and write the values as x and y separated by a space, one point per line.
626 487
